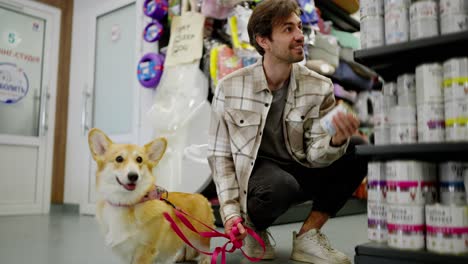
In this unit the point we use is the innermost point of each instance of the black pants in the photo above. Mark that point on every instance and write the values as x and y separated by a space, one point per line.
273 188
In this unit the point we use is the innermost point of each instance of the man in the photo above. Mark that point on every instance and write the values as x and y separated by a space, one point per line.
267 150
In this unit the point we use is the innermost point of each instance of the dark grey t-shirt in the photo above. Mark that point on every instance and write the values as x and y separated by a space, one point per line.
273 144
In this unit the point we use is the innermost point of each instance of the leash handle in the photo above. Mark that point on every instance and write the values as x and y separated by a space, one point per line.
236 244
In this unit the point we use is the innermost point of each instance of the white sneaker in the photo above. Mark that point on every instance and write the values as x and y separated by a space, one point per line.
253 249
314 247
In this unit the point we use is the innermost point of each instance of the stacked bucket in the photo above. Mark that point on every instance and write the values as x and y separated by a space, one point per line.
404 209
372 23
404 20
447 222
455 75
430 103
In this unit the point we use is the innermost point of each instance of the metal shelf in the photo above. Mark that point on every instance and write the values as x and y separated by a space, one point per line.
392 60
435 152
373 252
340 18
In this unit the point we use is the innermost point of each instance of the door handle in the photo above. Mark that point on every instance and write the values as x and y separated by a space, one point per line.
44 112
84 110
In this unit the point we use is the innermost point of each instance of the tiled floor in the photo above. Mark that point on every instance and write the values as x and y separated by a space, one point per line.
69 238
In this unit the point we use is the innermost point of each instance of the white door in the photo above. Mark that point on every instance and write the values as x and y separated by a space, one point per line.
111 96
29 44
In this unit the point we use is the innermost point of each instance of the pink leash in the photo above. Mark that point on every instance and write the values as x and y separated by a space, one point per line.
236 244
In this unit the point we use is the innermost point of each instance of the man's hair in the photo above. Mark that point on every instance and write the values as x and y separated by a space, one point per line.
266 15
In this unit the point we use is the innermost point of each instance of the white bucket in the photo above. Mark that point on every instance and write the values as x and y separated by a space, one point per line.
447 228
396 21
410 182
377 221
423 19
403 125
431 122
372 32
405 225
429 83
451 186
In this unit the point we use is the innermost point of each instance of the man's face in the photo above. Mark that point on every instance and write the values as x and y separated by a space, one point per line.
287 41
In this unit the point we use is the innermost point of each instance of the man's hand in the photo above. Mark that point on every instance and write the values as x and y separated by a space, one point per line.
345 125
228 227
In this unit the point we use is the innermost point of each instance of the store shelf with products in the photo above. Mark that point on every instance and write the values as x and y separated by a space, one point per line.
391 60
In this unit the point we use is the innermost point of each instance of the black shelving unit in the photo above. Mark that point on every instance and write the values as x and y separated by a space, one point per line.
434 152
391 60
372 253
341 20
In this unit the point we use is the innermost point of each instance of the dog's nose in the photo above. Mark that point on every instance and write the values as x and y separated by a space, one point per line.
132 176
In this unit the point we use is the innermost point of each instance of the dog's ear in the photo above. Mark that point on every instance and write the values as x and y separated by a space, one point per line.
155 150
98 142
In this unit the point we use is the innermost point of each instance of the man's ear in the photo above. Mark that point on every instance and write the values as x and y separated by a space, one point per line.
155 150
98 142
263 42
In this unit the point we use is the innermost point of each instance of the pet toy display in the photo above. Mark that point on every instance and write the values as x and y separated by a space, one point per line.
155 9
150 69
153 31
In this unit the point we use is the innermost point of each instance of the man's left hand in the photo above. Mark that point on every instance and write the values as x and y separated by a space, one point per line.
346 125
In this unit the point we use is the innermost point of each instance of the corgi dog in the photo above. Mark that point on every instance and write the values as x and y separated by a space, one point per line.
133 222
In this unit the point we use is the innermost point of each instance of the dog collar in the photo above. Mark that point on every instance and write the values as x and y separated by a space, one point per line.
156 193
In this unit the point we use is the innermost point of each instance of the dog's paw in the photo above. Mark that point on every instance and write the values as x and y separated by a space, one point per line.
204 259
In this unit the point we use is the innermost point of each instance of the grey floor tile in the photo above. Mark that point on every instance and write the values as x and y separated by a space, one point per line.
70 238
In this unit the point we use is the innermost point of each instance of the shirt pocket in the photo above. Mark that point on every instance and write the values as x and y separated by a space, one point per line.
243 126
298 120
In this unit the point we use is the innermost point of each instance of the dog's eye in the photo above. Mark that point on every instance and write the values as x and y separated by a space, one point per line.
139 159
119 159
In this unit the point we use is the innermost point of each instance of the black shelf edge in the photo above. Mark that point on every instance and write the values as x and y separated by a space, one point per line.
339 17
435 152
379 251
391 60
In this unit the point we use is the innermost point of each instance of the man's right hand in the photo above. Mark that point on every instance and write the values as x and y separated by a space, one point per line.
229 225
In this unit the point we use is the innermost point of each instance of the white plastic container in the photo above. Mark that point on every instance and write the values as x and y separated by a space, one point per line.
453 16
429 83
327 121
405 225
410 182
431 122
377 221
382 135
376 184
451 186
371 8
372 32
397 28
403 125
406 89
447 228
423 19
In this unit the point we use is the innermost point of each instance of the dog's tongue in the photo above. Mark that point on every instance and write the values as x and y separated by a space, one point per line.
130 186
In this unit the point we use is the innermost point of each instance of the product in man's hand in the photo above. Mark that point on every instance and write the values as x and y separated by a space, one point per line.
327 121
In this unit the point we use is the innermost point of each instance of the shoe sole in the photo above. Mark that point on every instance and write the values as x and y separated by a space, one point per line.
302 257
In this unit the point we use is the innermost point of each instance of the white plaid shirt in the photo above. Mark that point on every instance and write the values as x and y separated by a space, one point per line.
239 110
